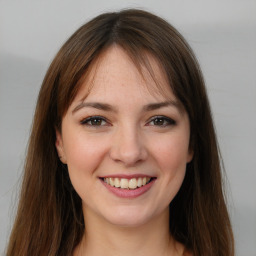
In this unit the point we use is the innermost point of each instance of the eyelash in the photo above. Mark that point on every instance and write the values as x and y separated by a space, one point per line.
164 121
100 119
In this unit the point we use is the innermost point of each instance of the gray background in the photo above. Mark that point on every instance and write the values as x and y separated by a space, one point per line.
223 35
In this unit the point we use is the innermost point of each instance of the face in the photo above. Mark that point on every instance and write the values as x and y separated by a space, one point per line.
126 146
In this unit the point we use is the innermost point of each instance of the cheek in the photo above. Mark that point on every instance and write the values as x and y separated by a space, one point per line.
172 153
83 153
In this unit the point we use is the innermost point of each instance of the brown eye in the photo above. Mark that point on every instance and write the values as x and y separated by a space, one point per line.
161 121
94 121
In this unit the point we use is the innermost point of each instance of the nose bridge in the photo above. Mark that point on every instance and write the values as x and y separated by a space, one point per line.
128 145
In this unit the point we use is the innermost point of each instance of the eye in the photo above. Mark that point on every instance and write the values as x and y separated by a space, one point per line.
94 121
161 121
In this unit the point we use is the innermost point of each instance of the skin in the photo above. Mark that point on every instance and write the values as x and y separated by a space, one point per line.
129 138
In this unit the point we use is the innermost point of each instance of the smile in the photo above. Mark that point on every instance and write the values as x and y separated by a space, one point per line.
123 183
128 187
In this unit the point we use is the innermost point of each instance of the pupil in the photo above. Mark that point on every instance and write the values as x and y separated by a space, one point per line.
159 121
96 121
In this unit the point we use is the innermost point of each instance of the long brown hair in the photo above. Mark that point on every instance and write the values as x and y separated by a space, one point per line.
49 219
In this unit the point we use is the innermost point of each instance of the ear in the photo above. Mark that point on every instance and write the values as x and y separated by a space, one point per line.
190 155
60 147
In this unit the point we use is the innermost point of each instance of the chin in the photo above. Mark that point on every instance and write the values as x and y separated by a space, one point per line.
128 217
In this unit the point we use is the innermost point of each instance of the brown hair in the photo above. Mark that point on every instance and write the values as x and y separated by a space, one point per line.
49 219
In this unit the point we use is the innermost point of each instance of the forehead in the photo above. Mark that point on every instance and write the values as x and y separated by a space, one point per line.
117 74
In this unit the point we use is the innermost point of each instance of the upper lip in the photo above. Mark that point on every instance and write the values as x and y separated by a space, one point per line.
127 176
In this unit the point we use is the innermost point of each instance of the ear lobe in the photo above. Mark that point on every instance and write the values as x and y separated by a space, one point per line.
59 147
190 155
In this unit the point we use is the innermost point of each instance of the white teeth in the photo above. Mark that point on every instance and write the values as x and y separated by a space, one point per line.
132 183
127 183
124 183
139 182
117 183
111 182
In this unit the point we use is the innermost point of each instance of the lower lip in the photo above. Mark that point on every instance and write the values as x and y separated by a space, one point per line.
129 193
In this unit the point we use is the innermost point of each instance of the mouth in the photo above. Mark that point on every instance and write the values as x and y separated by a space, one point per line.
127 184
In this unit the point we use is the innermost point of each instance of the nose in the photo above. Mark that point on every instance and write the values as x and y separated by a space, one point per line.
128 147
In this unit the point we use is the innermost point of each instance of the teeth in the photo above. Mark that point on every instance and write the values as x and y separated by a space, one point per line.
132 183
111 182
117 183
124 183
127 183
139 182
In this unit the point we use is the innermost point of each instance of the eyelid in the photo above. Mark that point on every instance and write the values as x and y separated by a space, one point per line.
167 121
86 120
170 121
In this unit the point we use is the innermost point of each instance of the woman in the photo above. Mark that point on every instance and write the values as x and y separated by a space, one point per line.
123 157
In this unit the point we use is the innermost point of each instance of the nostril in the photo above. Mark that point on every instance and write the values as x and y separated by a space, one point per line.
128 148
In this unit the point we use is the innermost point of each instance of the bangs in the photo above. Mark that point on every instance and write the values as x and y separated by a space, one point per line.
147 65
150 45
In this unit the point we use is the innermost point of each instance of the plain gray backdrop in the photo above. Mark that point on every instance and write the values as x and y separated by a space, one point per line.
223 36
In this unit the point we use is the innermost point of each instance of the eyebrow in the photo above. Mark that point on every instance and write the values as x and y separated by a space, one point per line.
97 105
110 108
154 106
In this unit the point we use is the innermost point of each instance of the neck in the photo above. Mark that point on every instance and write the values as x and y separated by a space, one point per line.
104 238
